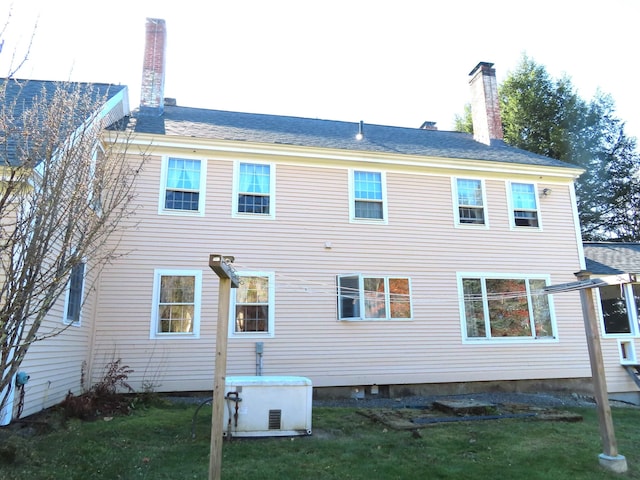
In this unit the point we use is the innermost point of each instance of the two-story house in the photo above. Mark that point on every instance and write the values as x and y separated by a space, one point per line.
369 255
373 258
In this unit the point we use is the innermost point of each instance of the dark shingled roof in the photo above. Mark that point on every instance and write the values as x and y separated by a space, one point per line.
610 258
20 95
277 129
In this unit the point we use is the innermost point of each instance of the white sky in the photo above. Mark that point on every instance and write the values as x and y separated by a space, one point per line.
393 62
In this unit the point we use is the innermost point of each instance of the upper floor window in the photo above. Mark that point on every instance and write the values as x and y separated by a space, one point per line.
254 186
183 186
176 303
620 309
74 297
524 205
252 312
373 298
469 196
500 307
368 200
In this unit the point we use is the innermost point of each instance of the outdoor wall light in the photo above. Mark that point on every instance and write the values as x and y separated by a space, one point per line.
546 192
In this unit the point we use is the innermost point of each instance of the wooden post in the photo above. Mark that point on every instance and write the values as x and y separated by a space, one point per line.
610 458
228 279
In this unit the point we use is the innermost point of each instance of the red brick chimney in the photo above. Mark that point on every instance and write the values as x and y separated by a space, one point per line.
152 94
485 108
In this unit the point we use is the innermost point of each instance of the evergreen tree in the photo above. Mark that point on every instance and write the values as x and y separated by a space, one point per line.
546 116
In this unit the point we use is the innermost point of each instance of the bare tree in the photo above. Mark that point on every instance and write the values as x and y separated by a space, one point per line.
64 191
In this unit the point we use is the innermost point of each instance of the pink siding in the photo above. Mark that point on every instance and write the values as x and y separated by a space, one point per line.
420 241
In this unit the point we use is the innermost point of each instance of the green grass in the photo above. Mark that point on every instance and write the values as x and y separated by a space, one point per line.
155 443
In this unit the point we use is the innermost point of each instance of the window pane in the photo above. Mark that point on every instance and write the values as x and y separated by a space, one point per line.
473 308
368 209
399 298
177 200
523 195
253 204
508 308
183 174
541 311
525 219
252 318
177 289
253 290
374 298
614 310
471 215
368 185
254 178
469 192
349 297
176 318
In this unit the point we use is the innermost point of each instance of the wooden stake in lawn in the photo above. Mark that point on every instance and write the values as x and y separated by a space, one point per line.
223 267
610 458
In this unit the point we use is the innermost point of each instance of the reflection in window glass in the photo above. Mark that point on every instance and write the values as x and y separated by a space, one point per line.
614 309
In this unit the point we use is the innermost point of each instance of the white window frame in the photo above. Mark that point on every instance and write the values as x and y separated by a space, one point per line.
361 298
352 199
197 303
271 304
456 204
512 209
67 299
201 189
236 191
632 313
503 276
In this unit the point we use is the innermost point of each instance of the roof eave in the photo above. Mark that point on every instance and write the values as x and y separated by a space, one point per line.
168 142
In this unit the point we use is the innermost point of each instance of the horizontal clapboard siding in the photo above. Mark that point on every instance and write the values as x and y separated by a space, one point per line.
419 241
59 363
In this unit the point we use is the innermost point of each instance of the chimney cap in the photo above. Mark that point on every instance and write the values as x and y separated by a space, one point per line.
481 65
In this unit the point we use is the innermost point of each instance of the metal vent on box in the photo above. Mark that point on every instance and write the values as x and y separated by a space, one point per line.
275 417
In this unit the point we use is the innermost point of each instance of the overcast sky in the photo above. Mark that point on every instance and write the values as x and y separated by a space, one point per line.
397 62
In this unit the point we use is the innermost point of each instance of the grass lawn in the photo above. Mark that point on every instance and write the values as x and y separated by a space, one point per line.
155 443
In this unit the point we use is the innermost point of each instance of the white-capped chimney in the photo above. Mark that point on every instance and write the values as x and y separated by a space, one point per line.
152 94
485 106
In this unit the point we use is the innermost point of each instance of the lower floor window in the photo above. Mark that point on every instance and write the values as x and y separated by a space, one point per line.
74 295
374 298
176 302
500 307
253 305
620 308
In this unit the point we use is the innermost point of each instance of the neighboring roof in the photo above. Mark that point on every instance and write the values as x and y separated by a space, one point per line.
20 95
277 129
610 258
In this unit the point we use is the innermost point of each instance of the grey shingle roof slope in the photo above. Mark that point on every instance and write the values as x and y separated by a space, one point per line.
22 93
277 129
610 258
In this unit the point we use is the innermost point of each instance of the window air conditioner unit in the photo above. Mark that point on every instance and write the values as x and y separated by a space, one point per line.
266 406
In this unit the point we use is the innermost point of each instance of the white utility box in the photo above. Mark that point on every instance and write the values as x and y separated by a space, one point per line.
266 406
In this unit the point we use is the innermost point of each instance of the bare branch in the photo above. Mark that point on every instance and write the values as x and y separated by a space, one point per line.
64 196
